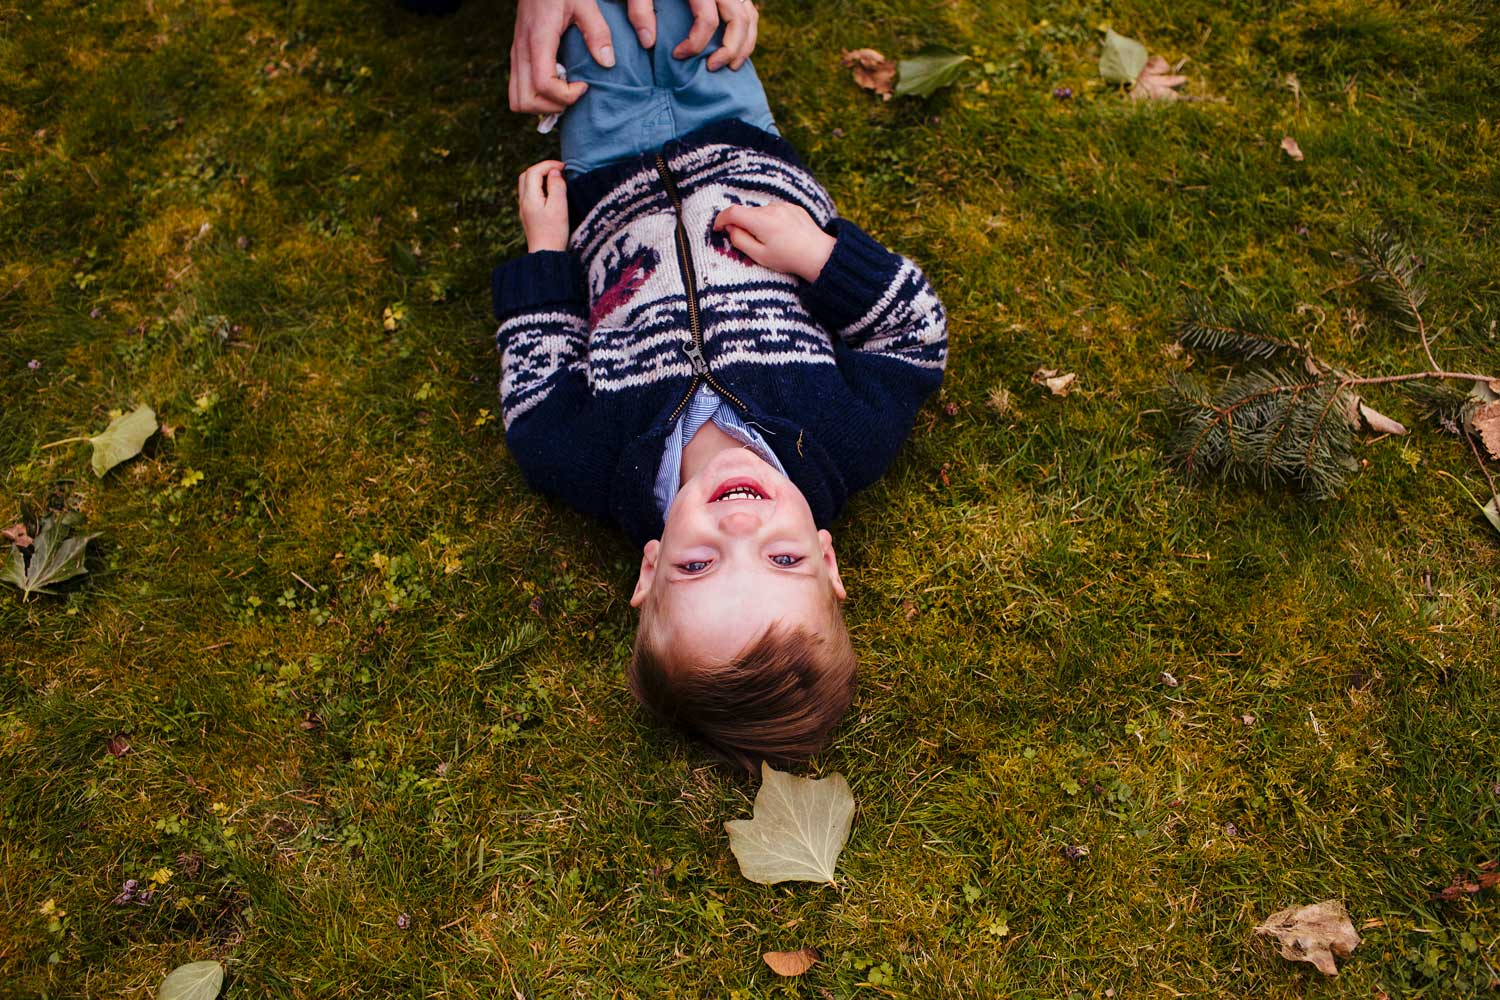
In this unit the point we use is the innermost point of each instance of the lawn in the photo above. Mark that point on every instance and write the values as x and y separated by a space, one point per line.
351 698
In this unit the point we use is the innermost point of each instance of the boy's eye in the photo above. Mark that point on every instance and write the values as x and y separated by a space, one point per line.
696 566
786 560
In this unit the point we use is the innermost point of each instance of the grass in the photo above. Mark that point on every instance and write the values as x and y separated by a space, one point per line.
362 672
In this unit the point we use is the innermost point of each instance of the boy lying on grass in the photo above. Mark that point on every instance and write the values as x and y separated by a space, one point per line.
714 361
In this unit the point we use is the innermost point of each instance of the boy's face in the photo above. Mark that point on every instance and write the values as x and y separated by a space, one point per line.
739 551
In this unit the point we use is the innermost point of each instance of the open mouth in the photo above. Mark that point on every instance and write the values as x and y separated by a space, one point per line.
739 489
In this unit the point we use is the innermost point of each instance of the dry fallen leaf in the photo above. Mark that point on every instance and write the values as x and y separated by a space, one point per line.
1290 147
872 71
1379 422
791 963
1157 82
1313 934
1486 423
1060 385
1488 878
798 830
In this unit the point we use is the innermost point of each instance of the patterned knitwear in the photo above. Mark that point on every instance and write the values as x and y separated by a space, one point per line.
597 344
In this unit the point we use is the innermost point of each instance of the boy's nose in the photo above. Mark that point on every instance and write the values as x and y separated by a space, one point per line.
739 523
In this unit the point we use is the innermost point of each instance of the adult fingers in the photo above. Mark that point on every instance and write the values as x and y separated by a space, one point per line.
735 30
515 76
642 15
705 23
595 31
751 38
551 94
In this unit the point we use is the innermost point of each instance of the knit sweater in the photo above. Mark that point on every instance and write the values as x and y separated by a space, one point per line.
602 345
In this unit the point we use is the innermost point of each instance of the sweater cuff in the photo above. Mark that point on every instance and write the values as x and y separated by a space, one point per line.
539 279
858 273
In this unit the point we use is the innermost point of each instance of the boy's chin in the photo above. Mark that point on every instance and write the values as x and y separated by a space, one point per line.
733 460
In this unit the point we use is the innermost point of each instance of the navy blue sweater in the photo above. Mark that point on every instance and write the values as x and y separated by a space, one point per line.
599 349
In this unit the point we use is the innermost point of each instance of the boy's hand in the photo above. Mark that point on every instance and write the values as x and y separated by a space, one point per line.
544 206
779 236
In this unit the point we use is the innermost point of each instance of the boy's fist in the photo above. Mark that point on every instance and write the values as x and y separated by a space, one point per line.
544 206
779 236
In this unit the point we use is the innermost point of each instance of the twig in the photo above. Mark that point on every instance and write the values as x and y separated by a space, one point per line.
19 282
1479 459
1410 376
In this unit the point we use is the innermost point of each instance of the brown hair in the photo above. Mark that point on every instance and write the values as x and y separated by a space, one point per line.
777 701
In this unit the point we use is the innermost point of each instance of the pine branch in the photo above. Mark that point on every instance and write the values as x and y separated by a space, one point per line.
1266 425
1283 415
1232 334
1390 269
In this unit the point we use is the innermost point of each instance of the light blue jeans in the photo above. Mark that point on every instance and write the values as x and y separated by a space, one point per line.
649 98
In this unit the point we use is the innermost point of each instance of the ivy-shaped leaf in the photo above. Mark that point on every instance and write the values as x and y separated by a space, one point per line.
798 830
55 557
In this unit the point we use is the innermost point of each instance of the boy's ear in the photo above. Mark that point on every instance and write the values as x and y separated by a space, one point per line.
832 562
647 574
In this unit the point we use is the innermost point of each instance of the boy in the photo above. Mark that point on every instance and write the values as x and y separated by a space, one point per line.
714 361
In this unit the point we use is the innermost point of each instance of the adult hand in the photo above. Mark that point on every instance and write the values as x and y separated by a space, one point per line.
779 236
740 20
534 86
544 206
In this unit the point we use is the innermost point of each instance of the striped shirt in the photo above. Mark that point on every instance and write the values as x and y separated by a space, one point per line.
704 406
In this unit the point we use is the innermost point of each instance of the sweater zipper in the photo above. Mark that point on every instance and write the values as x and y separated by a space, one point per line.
693 349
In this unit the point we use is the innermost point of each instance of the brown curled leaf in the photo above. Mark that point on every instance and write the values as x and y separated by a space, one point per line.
872 71
791 963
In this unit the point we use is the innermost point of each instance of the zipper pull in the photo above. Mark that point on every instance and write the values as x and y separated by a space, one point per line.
695 358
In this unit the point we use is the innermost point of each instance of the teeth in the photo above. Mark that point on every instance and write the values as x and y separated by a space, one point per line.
740 493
